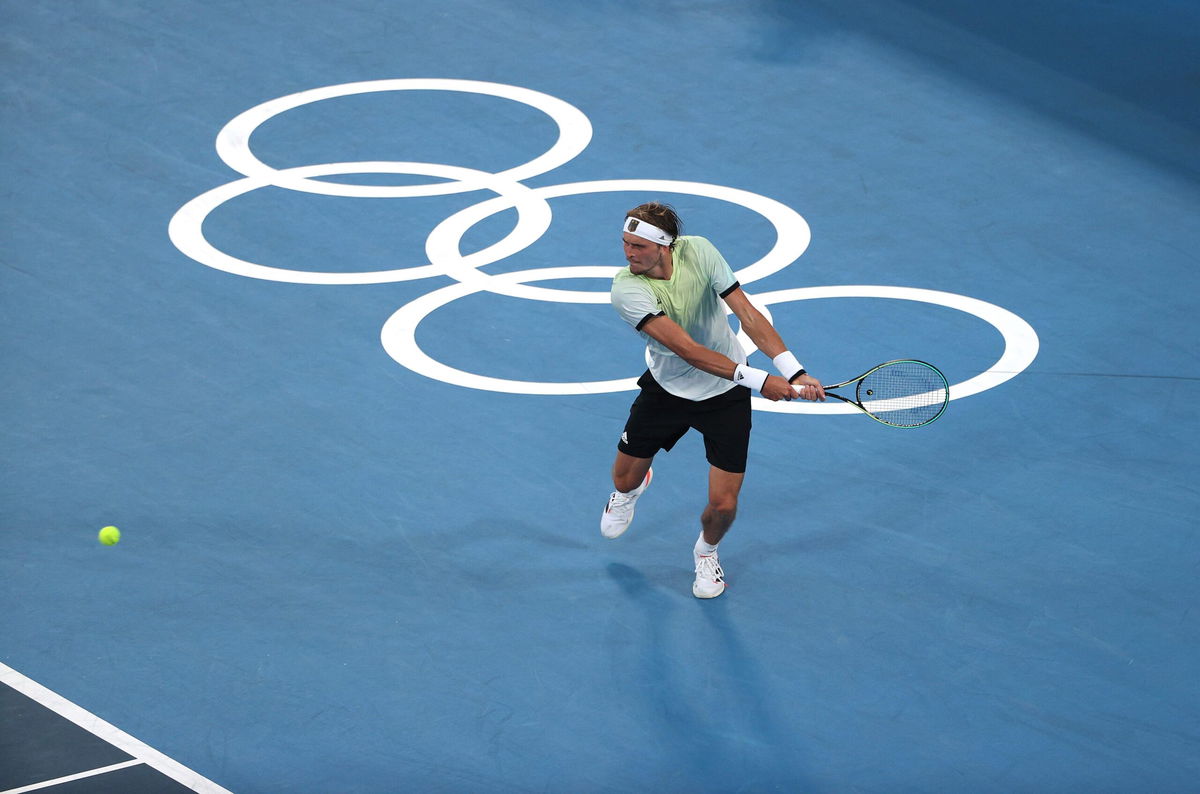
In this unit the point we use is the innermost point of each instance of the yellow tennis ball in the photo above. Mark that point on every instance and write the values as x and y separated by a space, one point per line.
109 536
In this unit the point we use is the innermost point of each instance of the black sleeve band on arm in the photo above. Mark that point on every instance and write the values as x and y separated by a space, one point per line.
725 294
647 319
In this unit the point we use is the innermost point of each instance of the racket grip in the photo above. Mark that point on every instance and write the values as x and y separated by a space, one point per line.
799 386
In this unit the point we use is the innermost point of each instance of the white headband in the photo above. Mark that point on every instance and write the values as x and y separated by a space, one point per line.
648 231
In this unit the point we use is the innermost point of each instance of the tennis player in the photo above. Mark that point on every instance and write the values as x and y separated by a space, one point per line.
674 293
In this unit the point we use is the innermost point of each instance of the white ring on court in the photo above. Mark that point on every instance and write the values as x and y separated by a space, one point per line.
233 141
399 338
442 246
186 228
792 234
1020 340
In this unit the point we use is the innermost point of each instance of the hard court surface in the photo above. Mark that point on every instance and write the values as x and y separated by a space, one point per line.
310 300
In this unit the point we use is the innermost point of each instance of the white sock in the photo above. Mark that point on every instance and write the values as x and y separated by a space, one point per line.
704 549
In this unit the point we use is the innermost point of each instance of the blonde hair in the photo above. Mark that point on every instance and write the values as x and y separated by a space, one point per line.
658 214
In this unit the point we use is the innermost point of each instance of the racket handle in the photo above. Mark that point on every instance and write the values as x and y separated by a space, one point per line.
799 389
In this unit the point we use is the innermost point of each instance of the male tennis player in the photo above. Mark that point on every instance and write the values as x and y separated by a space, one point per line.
672 293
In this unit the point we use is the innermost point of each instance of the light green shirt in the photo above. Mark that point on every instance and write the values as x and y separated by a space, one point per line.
692 298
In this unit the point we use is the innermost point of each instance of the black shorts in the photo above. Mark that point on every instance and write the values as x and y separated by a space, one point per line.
657 419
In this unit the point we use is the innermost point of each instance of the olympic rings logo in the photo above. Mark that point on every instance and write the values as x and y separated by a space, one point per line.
443 245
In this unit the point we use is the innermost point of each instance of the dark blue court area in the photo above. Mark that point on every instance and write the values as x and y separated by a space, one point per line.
311 301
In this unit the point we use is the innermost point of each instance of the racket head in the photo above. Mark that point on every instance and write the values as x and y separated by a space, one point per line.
903 393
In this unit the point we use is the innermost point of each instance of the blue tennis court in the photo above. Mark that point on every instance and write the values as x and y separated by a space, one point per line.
311 301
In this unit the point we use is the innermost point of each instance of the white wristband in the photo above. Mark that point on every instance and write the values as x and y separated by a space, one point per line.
787 365
749 377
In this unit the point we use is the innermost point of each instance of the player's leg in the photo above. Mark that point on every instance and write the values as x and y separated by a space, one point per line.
655 422
629 472
721 510
631 476
718 516
725 423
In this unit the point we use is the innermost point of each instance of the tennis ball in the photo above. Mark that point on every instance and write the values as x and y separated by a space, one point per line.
109 536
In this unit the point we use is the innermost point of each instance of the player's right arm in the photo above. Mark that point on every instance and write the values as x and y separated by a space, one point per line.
671 335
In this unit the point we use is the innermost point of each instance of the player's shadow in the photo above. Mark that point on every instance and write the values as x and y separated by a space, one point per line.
752 703
631 581
742 707
654 658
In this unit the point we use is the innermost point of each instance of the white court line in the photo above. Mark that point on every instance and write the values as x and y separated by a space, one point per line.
90 773
109 733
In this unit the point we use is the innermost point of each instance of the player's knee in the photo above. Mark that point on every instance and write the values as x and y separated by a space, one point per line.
726 506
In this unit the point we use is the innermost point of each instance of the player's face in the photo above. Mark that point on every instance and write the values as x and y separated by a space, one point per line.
641 254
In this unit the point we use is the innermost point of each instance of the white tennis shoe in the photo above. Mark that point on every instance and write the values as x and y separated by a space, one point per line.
618 513
710 579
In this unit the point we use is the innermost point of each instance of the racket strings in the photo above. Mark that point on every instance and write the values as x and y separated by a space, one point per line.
905 393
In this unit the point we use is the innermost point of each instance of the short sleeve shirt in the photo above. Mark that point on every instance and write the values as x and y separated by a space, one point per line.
692 297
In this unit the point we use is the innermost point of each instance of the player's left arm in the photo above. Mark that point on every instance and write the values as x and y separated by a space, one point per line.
763 334
755 324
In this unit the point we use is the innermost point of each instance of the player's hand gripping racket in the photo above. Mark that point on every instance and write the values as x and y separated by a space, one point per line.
904 393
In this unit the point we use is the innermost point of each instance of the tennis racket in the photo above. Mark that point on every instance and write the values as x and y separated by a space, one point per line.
903 393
